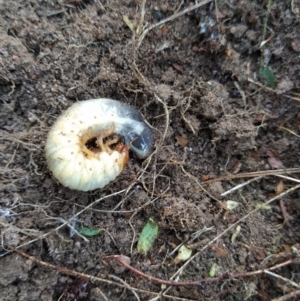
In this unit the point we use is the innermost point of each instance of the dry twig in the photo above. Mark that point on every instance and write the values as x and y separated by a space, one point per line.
91 278
292 295
206 280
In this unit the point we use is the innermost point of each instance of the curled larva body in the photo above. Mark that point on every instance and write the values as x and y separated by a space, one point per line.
87 147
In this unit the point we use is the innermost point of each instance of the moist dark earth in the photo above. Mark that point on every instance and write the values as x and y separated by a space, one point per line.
219 85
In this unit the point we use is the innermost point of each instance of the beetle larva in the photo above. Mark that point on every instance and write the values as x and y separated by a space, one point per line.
87 147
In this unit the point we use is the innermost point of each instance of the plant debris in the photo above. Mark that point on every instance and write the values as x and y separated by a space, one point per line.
147 237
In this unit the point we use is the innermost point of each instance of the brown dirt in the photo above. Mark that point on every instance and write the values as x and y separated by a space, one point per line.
204 67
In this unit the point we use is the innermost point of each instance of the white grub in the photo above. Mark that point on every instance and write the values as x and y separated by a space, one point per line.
87 147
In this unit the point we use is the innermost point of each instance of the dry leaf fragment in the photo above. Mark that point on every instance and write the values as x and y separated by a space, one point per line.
119 269
263 206
163 46
164 31
172 244
128 22
235 233
184 254
279 187
218 14
205 178
230 205
275 163
273 159
181 140
219 251
236 167
287 248
212 271
178 68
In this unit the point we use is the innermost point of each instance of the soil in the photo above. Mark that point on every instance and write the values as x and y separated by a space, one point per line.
220 85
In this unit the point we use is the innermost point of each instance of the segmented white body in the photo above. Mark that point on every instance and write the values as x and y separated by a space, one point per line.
67 160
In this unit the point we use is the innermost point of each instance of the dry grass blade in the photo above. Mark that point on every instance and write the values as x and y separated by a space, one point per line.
294 96
240 186
292 283
253 180
290 296
254 174
290 131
